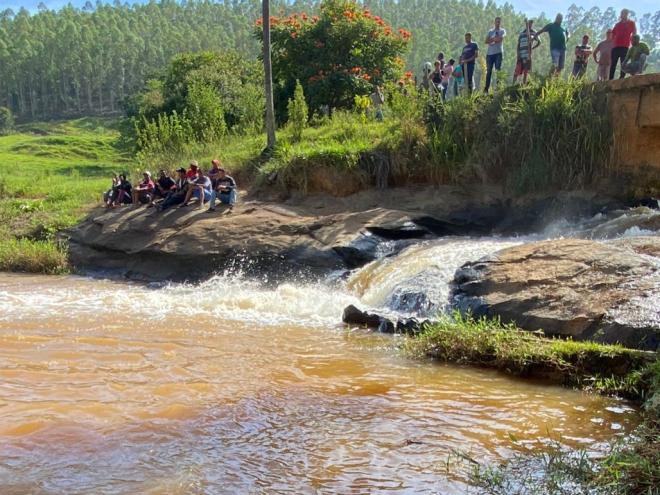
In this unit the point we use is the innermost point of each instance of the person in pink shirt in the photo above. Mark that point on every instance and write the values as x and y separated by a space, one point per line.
603 56
447 71
621 39
143 192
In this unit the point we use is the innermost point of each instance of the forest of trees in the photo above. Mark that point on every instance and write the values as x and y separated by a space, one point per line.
88 61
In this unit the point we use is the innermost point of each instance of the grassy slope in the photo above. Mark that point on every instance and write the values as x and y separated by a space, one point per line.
49 176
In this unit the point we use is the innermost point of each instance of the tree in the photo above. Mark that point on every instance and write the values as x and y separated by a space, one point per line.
6 121
268 77
342 52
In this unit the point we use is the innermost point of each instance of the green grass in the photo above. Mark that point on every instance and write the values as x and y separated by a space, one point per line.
489 343
50 174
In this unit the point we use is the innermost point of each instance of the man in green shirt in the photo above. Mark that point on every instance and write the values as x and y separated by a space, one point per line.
558 36
635 60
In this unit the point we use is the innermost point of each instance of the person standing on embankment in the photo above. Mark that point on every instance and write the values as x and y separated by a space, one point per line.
558 37
622 39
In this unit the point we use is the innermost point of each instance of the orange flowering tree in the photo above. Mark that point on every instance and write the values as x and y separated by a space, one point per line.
341 53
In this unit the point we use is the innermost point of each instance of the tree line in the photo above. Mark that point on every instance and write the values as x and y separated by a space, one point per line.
89 61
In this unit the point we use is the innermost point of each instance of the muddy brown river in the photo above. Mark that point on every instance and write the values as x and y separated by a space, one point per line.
117 388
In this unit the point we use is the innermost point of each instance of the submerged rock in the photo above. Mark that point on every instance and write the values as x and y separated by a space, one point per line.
603 291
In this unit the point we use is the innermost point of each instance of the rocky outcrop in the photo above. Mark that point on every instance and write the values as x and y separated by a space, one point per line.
384 324
603 291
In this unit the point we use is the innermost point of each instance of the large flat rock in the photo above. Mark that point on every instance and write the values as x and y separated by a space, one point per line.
603 291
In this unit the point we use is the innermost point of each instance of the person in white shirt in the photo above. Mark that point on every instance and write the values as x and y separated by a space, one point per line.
495 52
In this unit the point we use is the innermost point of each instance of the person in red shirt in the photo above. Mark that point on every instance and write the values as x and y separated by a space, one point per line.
192 171
621 36
142 193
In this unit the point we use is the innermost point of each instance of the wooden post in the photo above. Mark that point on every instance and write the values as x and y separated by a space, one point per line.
268 78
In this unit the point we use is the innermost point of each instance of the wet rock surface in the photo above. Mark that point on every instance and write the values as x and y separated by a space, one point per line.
383 323
603 291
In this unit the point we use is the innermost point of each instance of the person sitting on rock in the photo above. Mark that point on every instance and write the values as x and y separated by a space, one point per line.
635 61
225 190
111 194
199 188
178 194
191 174
124 191
143 192
164 187
214 172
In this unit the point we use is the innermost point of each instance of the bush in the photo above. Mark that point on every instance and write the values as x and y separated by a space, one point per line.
298 113
207 93
6 121
205 113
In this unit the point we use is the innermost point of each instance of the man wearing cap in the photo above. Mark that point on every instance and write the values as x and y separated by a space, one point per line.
635 60
603 57
143 192
225 190
200 188
191 174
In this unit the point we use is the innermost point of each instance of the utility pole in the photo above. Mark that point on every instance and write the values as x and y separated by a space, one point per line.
268 78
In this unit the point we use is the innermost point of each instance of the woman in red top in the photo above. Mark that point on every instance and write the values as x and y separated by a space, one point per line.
621 35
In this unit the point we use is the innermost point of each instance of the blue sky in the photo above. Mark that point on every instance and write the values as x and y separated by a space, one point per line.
532 7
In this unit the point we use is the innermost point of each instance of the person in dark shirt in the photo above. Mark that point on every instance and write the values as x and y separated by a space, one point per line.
467 60
124 192
225 190
164 186
582 53
178 194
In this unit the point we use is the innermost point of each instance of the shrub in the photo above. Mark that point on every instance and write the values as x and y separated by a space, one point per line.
298 113
6 121
205 113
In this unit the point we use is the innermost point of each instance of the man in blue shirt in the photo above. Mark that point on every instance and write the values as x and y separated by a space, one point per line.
468 57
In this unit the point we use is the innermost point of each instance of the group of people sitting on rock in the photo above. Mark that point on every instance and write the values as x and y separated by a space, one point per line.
166 192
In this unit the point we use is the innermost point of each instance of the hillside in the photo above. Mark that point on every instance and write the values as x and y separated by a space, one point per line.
86 61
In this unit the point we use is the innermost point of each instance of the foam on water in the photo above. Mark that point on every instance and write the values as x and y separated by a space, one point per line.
225 297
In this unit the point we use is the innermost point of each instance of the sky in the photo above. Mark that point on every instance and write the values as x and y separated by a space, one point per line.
531 7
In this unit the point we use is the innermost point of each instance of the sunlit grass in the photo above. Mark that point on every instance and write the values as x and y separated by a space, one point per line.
50 174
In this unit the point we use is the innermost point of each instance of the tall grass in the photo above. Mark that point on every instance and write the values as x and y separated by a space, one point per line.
549 134
25 255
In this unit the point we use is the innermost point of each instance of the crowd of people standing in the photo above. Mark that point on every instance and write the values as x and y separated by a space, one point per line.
622 48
